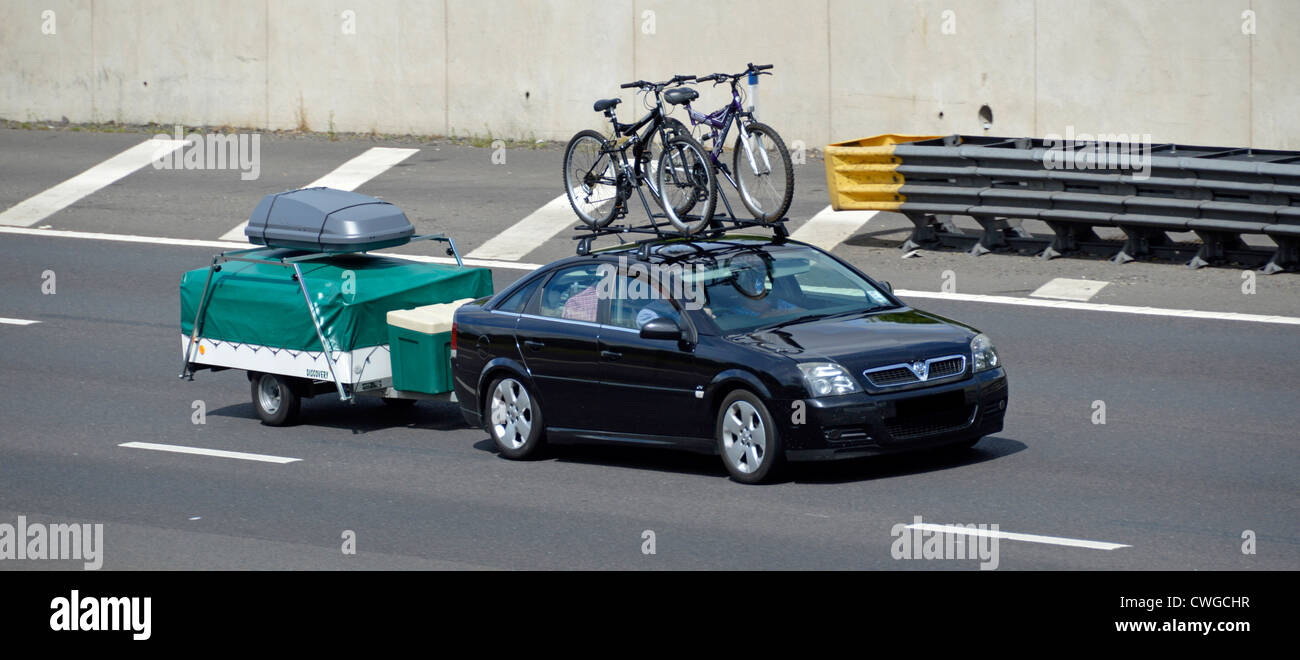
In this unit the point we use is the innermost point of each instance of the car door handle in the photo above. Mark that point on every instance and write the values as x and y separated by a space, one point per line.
611 355
534 344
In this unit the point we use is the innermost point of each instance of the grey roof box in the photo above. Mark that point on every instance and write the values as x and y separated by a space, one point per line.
327 220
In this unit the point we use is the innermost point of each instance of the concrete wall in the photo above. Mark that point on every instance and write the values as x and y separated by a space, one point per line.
1180 70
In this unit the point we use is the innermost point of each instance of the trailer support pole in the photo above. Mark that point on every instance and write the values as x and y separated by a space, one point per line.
325 347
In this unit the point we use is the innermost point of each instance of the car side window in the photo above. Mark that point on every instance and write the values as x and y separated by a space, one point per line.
633 311
519 299
572 294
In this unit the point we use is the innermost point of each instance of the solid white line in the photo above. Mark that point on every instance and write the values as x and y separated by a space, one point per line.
17 321
1069 289
1100 307
42 205
209 452
830 227
1013 536
517 265
526 235
348 176
230 245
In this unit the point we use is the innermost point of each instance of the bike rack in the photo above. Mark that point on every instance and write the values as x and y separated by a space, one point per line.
720 224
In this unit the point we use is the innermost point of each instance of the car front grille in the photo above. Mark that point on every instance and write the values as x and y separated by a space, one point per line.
923 371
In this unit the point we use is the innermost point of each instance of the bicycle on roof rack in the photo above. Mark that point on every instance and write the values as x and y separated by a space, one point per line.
761 168
599 176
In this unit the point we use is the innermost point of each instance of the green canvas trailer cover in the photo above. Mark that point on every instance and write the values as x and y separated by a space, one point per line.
262 304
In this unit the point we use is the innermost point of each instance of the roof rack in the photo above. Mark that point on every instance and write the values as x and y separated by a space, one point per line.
720 224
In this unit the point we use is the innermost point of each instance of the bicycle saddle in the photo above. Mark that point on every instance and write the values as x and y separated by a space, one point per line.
605 104
680 95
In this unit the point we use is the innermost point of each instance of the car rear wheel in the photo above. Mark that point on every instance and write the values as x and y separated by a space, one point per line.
747 437
514 419
275 399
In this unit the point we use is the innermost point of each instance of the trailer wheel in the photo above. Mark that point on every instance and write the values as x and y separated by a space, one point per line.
275 399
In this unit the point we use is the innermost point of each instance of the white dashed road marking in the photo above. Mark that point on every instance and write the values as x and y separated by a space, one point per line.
1065 288
830 228
178 449
36 208
348 176
1013 536
17 321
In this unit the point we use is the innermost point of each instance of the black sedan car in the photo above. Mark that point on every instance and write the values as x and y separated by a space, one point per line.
757 349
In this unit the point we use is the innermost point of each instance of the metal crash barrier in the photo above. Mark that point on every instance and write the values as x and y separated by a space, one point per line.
1147 192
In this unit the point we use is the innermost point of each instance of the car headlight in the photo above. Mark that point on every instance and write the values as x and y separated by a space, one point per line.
827 379
983 354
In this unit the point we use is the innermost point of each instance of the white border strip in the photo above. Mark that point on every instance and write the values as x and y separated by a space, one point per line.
229 245
1013 536
528 234
829 227
45 204
17 321
178 449
1099 307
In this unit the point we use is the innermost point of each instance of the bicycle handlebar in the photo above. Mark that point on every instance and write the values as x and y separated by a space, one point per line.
658 86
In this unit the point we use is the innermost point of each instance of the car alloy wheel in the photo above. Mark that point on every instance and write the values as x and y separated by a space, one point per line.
514 419
747 438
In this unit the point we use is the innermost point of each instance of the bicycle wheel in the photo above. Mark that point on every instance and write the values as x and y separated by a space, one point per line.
672 128
766 181
685 173
591 179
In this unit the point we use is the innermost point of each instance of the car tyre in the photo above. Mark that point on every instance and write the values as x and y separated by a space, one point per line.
514 419
747 438
275 399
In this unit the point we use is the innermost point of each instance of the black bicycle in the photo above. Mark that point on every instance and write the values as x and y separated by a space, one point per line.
599 176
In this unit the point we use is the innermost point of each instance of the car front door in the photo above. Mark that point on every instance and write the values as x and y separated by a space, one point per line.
653 381
557 335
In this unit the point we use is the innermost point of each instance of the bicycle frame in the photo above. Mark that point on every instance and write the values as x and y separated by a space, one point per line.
719 124
626 137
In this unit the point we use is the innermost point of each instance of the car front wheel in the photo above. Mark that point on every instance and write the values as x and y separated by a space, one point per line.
514 419
747 438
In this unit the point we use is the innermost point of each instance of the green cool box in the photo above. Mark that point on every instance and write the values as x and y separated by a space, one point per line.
420 341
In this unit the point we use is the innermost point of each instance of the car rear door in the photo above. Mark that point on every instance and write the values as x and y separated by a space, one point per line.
557 336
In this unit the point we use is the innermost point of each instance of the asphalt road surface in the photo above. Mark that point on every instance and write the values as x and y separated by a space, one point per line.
1199 444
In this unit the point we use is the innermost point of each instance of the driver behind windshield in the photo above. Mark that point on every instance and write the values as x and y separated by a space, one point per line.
747 293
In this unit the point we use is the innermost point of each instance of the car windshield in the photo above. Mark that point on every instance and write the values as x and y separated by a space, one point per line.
757 289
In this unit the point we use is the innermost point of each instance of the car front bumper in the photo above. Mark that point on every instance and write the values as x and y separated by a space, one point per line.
865 424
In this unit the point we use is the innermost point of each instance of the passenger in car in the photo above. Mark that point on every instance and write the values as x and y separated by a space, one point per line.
582 305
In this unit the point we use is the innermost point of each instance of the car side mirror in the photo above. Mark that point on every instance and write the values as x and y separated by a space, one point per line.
661 328
888 287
